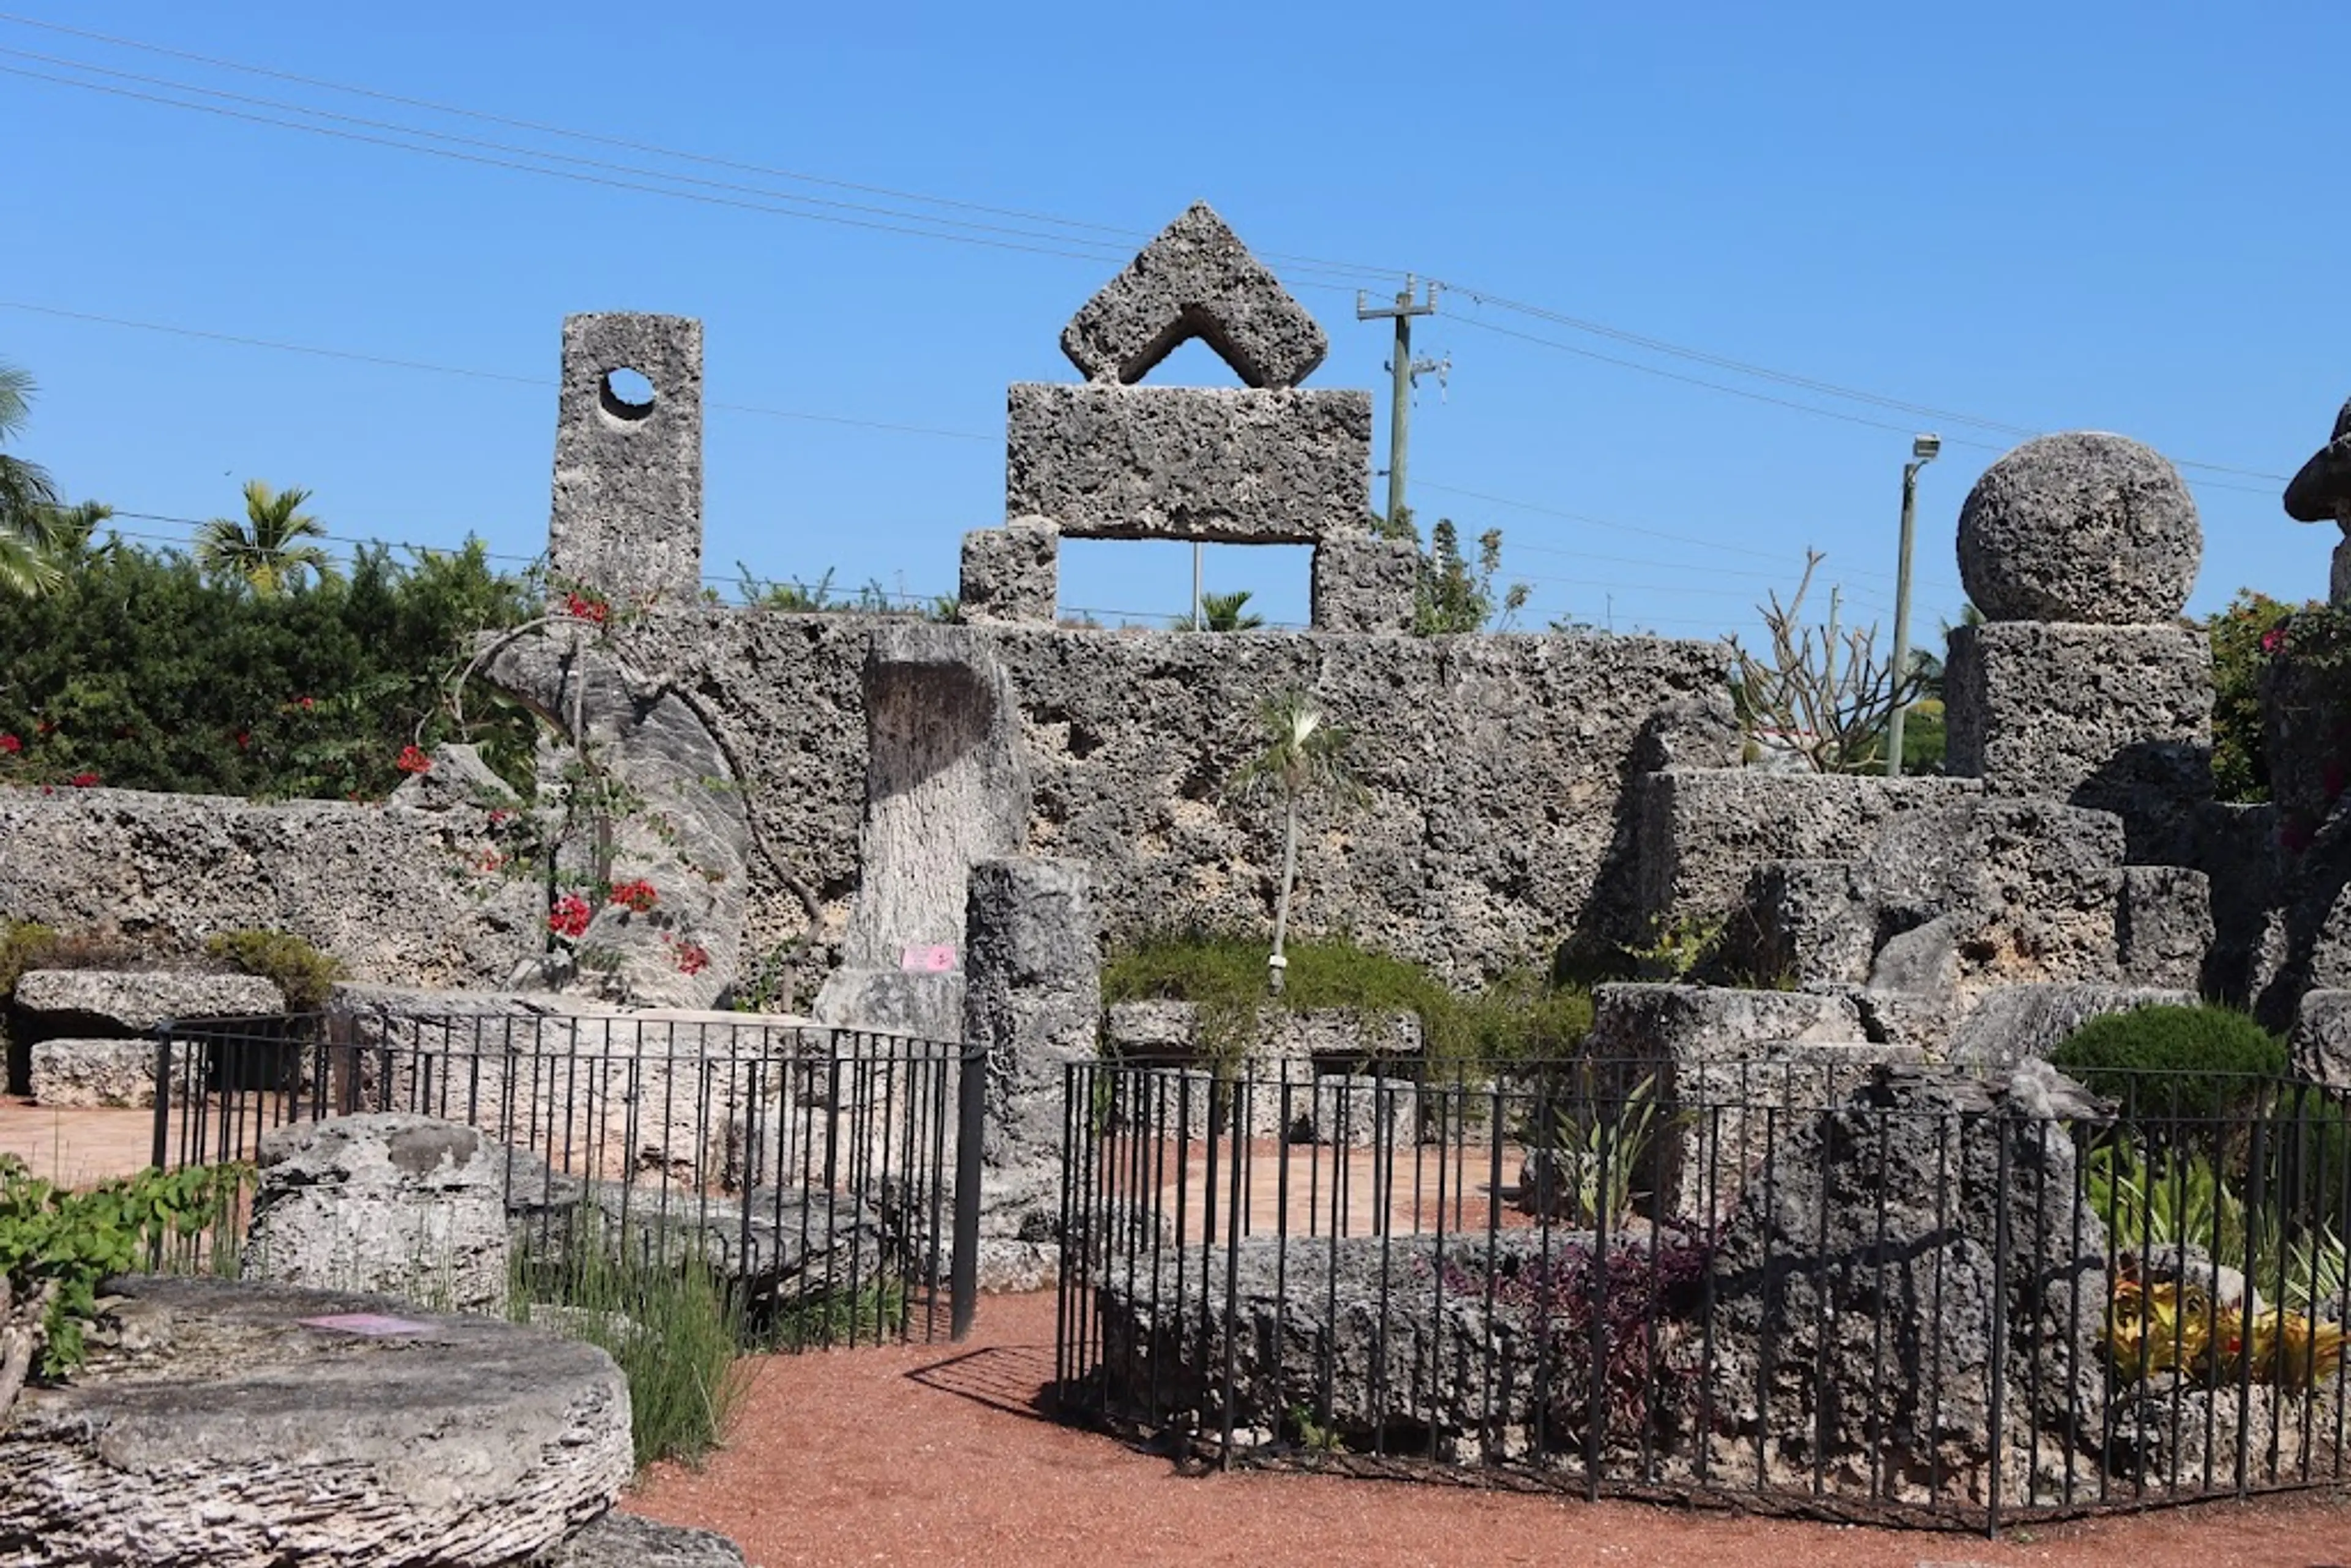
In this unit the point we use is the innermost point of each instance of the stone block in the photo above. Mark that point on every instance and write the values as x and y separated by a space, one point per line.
2080 526
93 1072
243 1432
2321 1042
2023 1023
1359 1111
131 999
2117 719
1194 280
627 504
1701 832
1365 584
1224 466
2029 890
1801 921
1151 1031
2164 927
406 1205
1012 573
1664 1025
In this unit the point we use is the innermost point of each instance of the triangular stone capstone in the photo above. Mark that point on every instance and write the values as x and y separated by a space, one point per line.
1195 280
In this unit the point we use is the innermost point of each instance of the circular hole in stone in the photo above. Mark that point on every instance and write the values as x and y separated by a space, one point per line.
626 394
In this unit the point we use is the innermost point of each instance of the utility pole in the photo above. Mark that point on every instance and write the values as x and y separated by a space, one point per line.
1923 449
1403 367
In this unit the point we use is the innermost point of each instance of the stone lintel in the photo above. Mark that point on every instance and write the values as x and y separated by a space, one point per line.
1216 466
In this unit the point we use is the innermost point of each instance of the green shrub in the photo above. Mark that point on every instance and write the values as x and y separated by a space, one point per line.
305 975
2197 1063
1521 1016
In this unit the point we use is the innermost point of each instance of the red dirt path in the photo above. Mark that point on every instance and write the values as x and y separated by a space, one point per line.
935 1453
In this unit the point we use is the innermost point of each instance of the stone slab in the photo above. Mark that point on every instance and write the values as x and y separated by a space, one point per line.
1364 584
1217 465
2164 926
2020 1023
134 999
627 496
240 1435
1012 573
2320 1045
115 1071
2117 719
1194 280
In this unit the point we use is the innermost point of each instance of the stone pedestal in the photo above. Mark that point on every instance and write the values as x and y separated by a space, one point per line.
1364 583
2115 718
1012 573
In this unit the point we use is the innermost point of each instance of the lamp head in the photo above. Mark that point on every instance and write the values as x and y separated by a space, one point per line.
1924 448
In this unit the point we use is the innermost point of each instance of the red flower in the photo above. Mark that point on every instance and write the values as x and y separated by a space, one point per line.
2274 639
11 745
691 958
82 780
414 760
580 607
639 896
500 816
306 702
243 739
571 917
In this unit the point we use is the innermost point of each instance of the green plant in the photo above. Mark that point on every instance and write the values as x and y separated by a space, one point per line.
673 1327
819 1319
56 1248
1587 1149
2238 634
1224 613
2197 1064
305 975
1304 755
1677 947
273 549
1452 595
1524 1016
27 564
2169 1200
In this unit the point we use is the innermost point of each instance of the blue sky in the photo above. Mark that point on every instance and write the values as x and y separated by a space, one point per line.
2045 217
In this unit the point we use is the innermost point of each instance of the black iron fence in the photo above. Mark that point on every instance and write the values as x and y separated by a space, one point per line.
828 1176
1824 1284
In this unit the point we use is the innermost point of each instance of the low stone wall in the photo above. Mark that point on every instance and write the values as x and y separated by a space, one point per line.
391 890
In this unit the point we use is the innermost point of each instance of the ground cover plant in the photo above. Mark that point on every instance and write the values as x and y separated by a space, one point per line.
1521 1016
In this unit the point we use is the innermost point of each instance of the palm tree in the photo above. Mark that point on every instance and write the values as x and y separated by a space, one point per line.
1226 611
1303 756
27 496
270 549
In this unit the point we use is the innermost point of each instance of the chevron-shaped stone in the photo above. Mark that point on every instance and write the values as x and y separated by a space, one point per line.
1195 280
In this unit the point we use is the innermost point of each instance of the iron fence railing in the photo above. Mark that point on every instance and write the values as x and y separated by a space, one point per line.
829 1175
1826 1284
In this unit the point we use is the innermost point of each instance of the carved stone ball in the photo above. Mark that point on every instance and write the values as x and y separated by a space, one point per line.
2081 527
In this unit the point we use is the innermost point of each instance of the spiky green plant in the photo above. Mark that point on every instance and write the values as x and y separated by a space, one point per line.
1304 754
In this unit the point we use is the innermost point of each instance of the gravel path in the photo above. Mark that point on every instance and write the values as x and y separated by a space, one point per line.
935 1454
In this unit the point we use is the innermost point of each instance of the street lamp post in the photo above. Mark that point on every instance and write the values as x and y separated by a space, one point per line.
1923 449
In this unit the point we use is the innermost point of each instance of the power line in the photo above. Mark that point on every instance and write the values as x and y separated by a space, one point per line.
538 383
1127 237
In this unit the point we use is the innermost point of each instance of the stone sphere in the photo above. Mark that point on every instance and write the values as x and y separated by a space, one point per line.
2080 526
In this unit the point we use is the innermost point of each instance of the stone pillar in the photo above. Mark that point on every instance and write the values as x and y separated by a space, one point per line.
392 1202
1032 1001
1012 573
2082 685
627 515
946 787
1365 584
